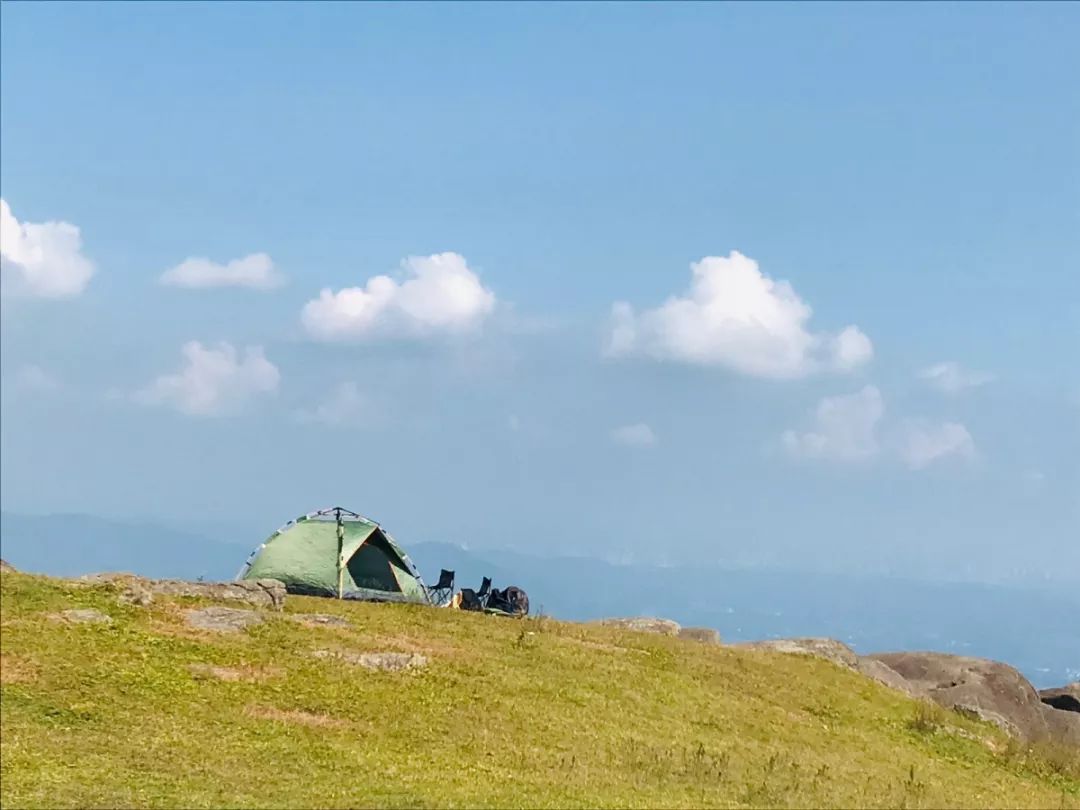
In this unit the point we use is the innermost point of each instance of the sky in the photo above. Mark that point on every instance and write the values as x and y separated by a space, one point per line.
762 284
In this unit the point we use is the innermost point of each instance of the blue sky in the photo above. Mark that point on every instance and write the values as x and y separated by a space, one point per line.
547 371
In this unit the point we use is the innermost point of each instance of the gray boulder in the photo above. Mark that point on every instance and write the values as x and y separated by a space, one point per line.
840 654
222 619
269 593
828 648
1066 698
705 635
887 676
984 689
380 661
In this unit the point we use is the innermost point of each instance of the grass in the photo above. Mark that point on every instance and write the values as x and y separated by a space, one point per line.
533 713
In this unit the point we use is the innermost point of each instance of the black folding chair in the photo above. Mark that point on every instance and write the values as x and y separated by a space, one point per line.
485 591
441 593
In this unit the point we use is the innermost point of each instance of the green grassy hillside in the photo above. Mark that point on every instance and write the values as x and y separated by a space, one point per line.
148 711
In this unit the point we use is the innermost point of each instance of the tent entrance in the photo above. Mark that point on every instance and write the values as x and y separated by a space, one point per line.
370 568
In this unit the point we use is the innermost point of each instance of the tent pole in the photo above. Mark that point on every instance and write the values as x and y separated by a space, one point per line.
340 551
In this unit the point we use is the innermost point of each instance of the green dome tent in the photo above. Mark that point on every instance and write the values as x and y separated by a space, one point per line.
335 552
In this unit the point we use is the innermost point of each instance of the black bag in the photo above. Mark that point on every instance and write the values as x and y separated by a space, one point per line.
470 601
516 600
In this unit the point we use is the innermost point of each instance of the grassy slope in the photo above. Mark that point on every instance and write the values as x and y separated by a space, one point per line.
508 713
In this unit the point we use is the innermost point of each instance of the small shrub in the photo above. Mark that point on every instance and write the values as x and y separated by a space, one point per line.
926 718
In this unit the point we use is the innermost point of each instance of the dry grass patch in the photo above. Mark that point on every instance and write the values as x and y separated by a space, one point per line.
296 717
243 673
17 669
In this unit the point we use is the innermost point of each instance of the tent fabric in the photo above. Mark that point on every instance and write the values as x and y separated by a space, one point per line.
309 555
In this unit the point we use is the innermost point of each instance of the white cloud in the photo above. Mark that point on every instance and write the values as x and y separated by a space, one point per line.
34 378
346 407
214 381
924 444
255 272
845 428
851 428
951 378
42 259
737 317
439 294
636 435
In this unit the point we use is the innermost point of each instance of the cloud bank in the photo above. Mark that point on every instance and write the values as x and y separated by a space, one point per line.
213 381
255 272
951 378
845 428
923 444
42 259
737 317
850 428
439 294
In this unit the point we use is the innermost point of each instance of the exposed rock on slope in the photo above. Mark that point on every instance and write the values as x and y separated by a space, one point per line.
828 648
985 689
706 635
222 619
84 616
884 674
137 590
1066 698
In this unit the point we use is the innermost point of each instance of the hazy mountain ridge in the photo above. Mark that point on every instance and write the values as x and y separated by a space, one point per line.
1030 629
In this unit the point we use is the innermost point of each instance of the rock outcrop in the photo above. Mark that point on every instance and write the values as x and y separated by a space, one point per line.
381 661
6 566
84 616
988 690
645 624
705 635
269 593
222 619
828 648
887 676
1066 698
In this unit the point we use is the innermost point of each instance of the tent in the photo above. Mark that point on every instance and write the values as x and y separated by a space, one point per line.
336 552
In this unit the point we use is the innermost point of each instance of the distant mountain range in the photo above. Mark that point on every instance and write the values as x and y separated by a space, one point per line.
1032 629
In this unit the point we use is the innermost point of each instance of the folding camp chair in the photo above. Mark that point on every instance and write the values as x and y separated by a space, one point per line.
485 591
443 590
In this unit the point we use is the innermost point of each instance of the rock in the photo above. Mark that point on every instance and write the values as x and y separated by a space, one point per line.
383 661
222 619
318 619
139 591
85 616
985 689
7 567
828 648
842 655
706 635
886 675
644 624
1064 726
1066 698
